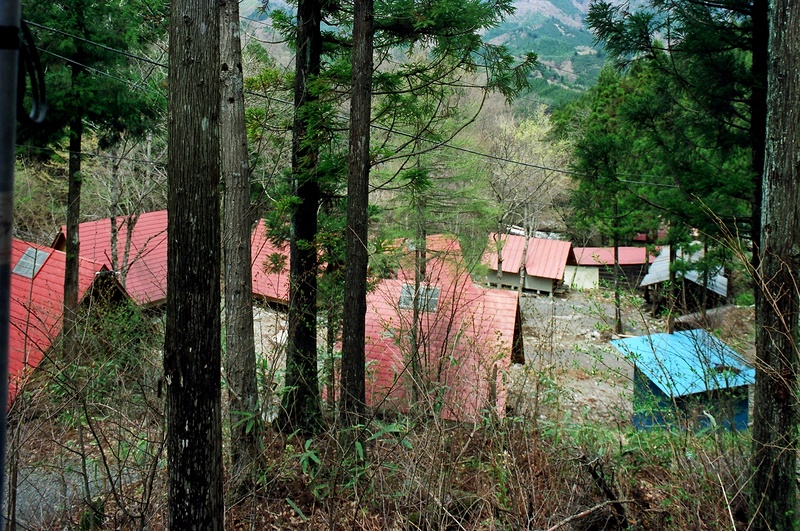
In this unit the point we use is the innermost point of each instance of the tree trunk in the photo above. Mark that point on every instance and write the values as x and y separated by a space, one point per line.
73 219
353 397
758 119
419 359
240 358
301 408
113 212
672 300
192 344
617 295
130 224
775 419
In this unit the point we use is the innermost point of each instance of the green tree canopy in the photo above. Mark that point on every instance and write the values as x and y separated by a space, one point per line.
89 74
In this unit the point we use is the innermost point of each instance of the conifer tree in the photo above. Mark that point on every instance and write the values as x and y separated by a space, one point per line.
776 418
412 96
240 355
91 89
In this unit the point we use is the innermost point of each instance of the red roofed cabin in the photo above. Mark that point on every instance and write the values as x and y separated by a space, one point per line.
596 264
141 254
36 304
270 268
454 359
545 263
141 266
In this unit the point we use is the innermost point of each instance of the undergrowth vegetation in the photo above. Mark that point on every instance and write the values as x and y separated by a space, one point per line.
512 473
88 432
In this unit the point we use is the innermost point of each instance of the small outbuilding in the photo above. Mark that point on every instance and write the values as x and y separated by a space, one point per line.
595 266
503 258
696 289
687 379
545 263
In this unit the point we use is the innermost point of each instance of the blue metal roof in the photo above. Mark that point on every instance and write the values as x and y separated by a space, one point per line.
686 362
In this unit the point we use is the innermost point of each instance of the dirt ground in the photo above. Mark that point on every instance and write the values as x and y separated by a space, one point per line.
567 339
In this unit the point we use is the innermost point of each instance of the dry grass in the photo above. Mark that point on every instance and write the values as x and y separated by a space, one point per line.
541 470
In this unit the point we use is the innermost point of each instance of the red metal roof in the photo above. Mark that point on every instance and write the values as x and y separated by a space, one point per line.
512 251
467 341
598 256
270 266
36 309
146 276
547 258
146 279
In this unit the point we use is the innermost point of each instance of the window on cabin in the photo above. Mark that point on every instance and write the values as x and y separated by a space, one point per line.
427 299
30 262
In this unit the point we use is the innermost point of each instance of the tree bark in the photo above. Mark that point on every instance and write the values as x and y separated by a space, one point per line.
353 397
617 294
240 356
113 212
758 117
73 245
192 344
301 407
775 419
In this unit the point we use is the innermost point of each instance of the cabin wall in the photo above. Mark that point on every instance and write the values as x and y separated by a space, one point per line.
539 284
632 275
582 277
504 280
729 408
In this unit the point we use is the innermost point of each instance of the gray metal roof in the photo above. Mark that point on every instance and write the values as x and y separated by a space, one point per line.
659 272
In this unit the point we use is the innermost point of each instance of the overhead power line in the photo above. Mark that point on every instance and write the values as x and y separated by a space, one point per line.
107 74
93 43
89 154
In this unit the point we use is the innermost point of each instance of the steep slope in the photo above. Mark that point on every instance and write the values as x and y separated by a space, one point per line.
556 31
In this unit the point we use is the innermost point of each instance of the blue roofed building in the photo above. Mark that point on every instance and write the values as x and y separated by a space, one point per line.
688 379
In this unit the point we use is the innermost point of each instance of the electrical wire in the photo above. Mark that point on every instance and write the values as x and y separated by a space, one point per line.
107 74
155 163
93 43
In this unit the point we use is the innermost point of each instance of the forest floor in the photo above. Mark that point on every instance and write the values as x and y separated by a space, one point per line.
563 471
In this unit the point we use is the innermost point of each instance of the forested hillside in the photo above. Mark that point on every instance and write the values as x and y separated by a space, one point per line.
570 59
